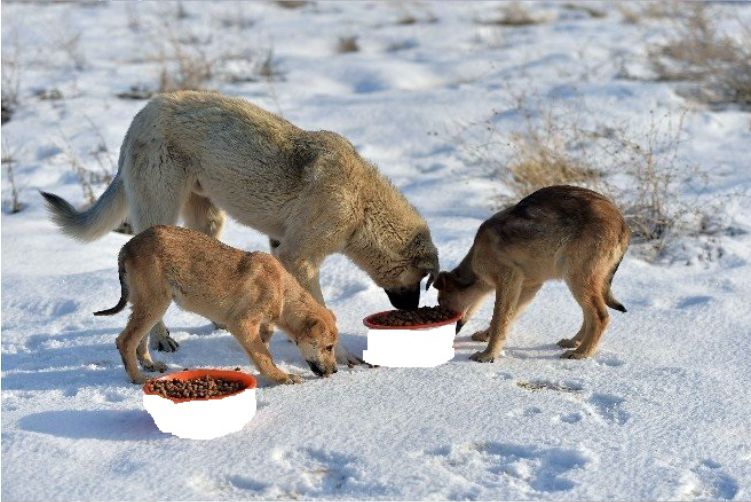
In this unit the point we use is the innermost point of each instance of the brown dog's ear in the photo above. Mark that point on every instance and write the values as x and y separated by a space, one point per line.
442 281
332 314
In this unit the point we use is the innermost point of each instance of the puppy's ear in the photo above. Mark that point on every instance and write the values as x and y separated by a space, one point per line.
332 314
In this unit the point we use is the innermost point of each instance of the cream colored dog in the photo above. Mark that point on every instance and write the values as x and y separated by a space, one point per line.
240 290
309 191
558 232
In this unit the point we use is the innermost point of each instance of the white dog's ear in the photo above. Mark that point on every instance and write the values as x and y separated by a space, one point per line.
429 266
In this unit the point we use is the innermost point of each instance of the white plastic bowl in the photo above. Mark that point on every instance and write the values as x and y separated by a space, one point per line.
419 346
202 418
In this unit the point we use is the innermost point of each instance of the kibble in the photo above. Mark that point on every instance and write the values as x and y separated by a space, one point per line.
196 388
423 315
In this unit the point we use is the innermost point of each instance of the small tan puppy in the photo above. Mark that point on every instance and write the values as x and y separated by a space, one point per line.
558 232
239 290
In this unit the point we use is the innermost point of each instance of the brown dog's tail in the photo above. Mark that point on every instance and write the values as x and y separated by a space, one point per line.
123 287
610 301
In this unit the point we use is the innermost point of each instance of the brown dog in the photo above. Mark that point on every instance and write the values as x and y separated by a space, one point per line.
239 290
558 232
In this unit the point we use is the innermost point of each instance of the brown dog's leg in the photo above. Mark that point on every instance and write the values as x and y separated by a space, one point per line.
596 318
266 331
574 341
508 290
128 341
144 357
247 333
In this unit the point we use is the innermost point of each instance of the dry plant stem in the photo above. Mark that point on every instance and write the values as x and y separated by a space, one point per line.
15 203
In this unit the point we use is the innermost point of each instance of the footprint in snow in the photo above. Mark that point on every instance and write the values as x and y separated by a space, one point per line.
478 470
708 481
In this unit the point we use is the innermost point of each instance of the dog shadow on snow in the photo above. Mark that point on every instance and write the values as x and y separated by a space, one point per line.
98 365
112 425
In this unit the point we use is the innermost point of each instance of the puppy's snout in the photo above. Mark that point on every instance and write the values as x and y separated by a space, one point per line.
319 370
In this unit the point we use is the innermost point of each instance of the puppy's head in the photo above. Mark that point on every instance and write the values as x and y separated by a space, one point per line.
317 342
461 293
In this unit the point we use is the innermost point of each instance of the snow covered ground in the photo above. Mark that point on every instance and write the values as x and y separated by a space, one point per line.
660 413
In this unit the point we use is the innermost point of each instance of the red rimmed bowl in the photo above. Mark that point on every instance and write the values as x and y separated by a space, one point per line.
202 417
415 346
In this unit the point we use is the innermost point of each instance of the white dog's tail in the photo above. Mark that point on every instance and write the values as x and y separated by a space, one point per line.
107 213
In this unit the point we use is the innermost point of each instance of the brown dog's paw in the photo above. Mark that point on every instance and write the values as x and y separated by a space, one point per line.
573 354
482 357
568 343
481 336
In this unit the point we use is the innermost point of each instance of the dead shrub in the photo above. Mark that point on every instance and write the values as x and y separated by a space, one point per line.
291 4
11 77
641 171
184 68
515 14
716 65
347 44
587 8
9 161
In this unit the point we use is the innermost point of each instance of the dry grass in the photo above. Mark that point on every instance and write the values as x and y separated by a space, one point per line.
347 44
292 4
515 14
587 8
184 68
11 77
717 65
9 161
642 171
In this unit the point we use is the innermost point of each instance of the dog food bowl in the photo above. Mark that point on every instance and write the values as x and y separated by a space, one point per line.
202 418
415 346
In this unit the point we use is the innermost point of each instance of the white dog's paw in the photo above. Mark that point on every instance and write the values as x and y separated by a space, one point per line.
343 356
155 366
290 379
481 336
574 354
139 379
482 357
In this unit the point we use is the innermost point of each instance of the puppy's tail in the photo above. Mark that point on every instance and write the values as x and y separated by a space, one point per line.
107 212
123 287
610 301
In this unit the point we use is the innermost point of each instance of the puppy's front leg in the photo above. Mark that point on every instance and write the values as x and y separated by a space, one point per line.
248 335
506 297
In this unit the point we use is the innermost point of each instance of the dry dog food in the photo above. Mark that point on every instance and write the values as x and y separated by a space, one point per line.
197 388
423 315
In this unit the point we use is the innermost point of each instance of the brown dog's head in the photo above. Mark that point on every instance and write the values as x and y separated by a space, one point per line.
317 342
460 292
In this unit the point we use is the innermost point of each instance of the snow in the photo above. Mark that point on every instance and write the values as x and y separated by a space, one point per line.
661 412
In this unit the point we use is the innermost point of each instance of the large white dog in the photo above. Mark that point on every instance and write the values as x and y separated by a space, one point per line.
200 153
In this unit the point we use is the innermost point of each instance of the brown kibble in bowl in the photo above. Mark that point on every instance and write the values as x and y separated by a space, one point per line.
197 388
404 318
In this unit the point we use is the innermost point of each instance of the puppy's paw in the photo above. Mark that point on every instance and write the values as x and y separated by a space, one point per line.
568 343
166 344
155 366
482 357
290 379
481 336
573 354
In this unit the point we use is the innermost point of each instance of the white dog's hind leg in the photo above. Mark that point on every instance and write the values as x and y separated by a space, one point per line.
155 190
